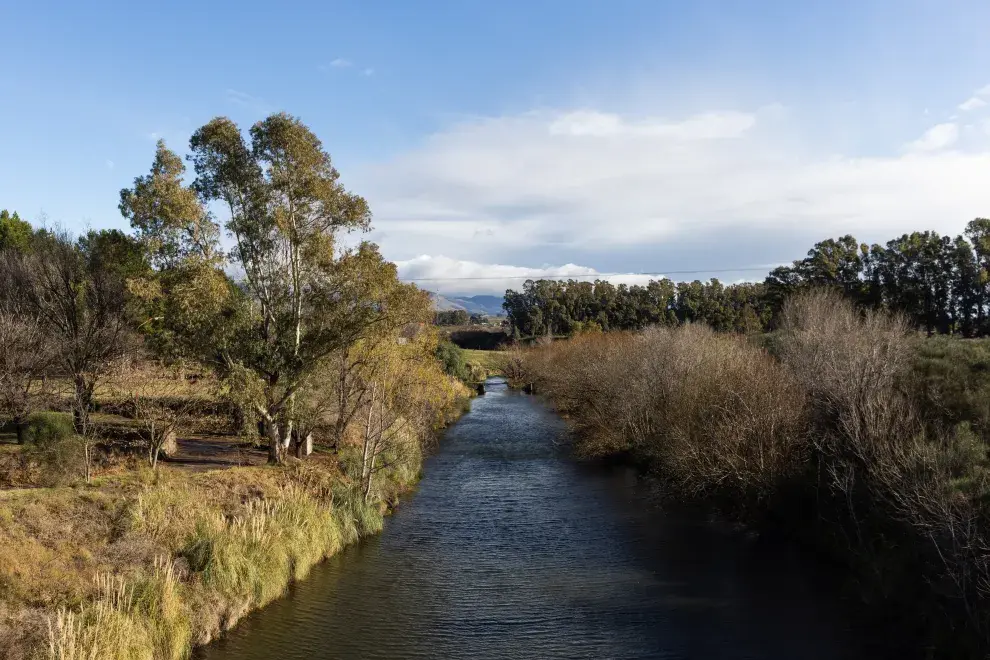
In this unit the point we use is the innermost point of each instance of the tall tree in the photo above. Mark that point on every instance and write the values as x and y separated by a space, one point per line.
26 352
286 208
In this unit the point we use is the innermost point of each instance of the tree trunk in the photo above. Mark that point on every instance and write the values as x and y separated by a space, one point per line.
371 474
270 430
82 403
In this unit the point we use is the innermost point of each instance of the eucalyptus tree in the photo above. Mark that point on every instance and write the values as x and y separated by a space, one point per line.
298 300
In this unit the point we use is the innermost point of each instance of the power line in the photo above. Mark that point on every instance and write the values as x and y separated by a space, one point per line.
547 276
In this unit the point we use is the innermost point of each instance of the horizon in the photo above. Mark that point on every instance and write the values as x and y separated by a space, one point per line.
563 138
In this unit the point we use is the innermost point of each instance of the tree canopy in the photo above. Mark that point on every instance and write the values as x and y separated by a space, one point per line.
939 283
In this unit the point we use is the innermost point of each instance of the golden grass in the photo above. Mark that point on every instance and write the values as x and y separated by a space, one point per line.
140 565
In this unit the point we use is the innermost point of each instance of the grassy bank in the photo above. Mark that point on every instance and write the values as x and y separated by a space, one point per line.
843 430
146 564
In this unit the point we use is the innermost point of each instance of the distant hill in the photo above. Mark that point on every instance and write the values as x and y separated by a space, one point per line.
491 305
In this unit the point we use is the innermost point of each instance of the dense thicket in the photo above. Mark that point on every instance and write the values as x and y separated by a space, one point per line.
850 432
938 283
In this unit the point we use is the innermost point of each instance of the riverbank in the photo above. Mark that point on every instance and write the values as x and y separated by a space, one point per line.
147 564
847 434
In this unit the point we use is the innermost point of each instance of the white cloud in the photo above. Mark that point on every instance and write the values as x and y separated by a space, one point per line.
983 91
340 63
701 127
593 187
448 275
109 164
153 136
368 72
937 137
972 104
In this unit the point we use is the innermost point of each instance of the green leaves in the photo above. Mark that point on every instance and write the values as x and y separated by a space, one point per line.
15 234
167 216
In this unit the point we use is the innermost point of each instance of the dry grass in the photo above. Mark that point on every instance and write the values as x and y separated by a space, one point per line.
141 564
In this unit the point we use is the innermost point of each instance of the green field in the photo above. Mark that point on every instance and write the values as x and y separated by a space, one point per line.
490 361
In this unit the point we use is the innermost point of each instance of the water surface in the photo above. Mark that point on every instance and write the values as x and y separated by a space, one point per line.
510 549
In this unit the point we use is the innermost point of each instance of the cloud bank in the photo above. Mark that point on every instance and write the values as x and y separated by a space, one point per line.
589 186
445 274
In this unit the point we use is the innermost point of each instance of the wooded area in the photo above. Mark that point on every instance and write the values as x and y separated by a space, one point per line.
115 346
941 284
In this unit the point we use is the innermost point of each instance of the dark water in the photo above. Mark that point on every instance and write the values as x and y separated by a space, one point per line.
512 550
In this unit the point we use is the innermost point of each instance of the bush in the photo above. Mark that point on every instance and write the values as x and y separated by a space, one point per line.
882 436
452 359
711 413
48 428
54 449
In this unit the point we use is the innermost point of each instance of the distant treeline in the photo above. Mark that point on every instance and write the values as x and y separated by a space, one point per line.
939 283
457 317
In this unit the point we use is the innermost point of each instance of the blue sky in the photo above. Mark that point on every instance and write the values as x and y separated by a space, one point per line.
516 138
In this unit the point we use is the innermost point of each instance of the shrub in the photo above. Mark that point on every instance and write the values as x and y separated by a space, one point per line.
452 359
712 413
60 461
48 428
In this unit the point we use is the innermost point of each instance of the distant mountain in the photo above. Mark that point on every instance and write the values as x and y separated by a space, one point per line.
443 304
491 305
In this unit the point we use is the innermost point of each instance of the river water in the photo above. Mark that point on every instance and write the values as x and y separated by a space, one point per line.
510 549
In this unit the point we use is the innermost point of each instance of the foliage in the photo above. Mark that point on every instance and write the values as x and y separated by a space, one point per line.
47 428
77 294
554 308
857 436
452 317
451 358
938 283
16 235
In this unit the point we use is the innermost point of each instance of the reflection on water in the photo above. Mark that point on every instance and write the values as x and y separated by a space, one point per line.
511 550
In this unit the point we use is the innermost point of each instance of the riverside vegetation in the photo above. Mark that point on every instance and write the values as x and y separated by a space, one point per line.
313 376
843 429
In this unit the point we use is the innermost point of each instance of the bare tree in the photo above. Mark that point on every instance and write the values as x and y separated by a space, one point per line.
80 303
25 352
163 407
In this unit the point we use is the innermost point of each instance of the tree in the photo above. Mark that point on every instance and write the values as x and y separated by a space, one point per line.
339 388
834 263
452 317
407 396
286 209
79 298
167 216
25 351
15 234
162 406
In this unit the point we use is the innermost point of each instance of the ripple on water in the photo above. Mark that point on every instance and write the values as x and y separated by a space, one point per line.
511 550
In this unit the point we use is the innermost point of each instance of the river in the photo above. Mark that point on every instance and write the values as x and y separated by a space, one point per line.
511 549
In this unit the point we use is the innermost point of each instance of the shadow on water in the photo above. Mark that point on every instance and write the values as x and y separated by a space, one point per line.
511 550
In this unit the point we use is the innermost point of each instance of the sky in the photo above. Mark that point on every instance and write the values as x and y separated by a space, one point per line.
501 140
